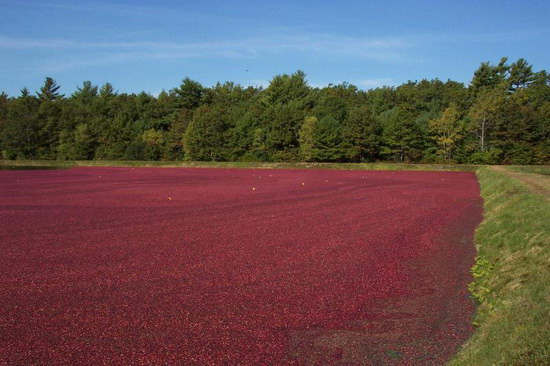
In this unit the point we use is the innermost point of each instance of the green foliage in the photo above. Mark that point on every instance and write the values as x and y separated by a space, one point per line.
331 106
480 271
173 149
308 133
248 139
402 137
502 117
327 140
107 92
188 95
447 131
76 145
85 94
361 135
50 91
205 138
283 123
284 89
486 157
21 130
484 115
520 74
153 141
489 76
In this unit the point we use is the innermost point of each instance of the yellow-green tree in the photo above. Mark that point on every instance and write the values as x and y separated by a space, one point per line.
307 138
447 131
154 142
483 114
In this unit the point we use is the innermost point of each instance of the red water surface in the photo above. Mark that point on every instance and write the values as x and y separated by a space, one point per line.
234 266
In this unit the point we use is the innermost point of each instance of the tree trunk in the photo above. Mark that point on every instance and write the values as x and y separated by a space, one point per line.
482 137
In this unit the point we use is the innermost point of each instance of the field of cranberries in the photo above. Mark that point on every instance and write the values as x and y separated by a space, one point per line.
235 266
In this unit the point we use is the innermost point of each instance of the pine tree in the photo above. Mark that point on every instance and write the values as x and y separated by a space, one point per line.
205 138
85 94
328 139
50 91
189 94
521 74
361 135
25 92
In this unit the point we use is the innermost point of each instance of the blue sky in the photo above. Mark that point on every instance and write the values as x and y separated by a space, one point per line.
152 45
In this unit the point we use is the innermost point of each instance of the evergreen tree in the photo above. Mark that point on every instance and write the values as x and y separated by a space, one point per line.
331 106
205 138
174 136
489 76
328 139
21 132
285 89
25 92
283 123
286 102
107 92
50 91
402 138
521 74
188 95
85 94
361 134
507 121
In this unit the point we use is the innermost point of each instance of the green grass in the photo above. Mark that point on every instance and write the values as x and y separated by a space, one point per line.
257 165
512 276
533 169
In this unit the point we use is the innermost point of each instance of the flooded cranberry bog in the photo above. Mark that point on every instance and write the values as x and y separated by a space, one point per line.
235 266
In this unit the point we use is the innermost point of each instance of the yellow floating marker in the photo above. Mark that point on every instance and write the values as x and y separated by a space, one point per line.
170 198
253 188
303 184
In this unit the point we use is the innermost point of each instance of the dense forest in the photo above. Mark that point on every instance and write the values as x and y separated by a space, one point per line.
502 116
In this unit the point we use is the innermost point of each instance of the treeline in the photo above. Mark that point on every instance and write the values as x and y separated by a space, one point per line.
502 116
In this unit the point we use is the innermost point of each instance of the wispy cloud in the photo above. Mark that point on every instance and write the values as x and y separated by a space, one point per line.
146 13
382 49
26 43
311 42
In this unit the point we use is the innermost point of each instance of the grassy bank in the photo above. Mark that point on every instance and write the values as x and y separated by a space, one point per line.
512 275
257 165
533 169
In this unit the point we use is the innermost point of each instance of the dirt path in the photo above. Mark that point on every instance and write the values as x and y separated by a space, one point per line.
538 183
